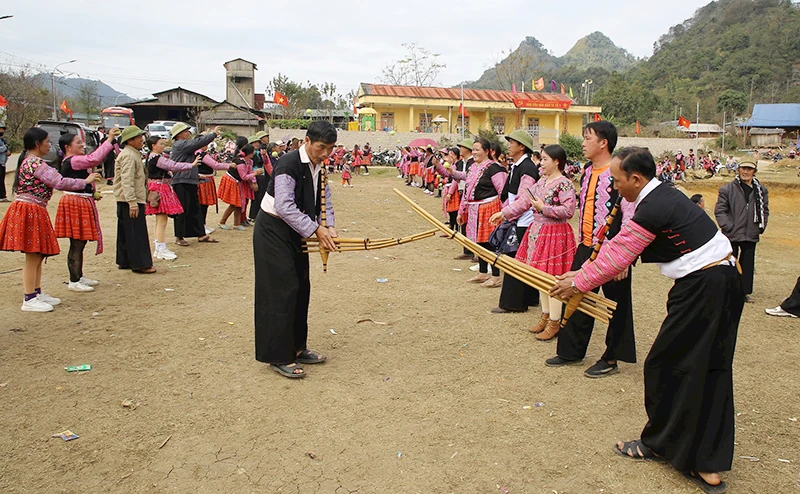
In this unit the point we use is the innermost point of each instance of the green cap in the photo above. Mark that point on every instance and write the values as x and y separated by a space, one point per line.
178 128
129 133
253 138
466 143
262 134
523 138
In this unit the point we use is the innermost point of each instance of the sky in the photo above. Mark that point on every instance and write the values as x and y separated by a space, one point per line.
158 45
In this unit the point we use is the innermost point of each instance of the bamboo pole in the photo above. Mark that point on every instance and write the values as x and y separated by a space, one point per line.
312 245
592 304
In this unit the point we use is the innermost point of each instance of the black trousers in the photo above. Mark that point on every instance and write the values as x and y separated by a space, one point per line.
573 339
452 220
746 253
3 182
133 244
515 295
189 223
483 265
688 374
282 291
792 304
262 181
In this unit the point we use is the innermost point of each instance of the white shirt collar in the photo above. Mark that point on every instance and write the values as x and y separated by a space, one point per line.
304 155
519 161
650 187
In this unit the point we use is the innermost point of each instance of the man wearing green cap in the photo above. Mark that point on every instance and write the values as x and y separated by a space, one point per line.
463 165
130 191
190 222
516 296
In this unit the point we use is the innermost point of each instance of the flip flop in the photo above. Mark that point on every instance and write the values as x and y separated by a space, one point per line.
634 447
182 242
703 485
287 370
208 240
310 357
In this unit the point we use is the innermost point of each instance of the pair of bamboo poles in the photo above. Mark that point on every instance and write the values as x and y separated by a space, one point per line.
311 245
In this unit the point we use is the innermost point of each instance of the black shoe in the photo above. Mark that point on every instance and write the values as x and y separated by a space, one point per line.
601 369
560 362
500 310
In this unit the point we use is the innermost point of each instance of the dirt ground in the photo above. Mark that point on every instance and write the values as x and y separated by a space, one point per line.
436 401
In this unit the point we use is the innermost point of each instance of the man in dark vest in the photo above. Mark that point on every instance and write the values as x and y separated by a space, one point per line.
688 374
290 211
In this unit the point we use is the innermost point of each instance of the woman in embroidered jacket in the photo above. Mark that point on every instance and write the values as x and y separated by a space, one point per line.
26 225
688 373
485 181
549 243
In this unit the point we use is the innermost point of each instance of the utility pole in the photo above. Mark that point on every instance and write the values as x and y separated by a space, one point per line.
697 130
53 86
723 133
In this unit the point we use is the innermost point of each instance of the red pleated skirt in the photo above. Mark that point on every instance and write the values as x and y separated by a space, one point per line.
169 204
453 203
485 211
207 193
26 228
75 218
554 249
229 191
414 168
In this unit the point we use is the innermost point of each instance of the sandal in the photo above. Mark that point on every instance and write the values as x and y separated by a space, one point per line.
288 370
149 270
207 240
631 451
703 485
310 357
182 242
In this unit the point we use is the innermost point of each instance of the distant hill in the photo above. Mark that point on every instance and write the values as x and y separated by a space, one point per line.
69 87
594 55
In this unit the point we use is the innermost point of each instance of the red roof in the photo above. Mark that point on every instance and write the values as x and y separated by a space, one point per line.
455 93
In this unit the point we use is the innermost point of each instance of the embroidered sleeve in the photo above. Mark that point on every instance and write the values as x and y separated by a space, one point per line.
521 202
54 180
287 209
90 161
172 166
214 164
564 209
451 173
499 181
330 218
246 172
614 257
627 209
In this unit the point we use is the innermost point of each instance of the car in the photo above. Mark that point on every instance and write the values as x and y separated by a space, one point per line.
155 129
55 130
168 124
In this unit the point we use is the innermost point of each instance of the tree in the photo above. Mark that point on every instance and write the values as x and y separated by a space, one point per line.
88 100
627 101
28 102
420 67
572 145
295 94
735 101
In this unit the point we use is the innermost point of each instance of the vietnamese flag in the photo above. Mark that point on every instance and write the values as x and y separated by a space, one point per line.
280 99
638 129
463 111
597 117
65 108
3 101
684 122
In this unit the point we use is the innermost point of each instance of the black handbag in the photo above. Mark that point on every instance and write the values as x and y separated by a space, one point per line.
504 238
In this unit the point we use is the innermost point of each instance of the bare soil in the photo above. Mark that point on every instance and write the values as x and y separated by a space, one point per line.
435 401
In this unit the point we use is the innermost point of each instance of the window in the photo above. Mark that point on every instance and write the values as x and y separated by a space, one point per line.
425 124
387 122
499 125
458 124
533 127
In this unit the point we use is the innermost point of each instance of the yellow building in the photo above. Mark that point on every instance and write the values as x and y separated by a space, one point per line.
410 108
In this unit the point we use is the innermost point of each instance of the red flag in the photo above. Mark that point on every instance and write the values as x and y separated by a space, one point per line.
463 111
514 88
637 128
3 101
563 89
65 108
280 99
355 107
597 117
684 122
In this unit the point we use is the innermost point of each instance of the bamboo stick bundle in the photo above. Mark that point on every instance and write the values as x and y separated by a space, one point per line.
592 304
359 244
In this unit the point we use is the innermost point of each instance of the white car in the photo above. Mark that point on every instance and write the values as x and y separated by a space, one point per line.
156 129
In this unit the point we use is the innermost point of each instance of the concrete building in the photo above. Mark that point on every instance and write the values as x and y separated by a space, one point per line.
243 121
409 108
240 83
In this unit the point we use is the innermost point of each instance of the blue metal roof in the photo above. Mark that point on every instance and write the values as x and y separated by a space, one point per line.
774 115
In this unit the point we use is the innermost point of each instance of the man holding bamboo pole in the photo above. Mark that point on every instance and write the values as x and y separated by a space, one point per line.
292 209
597 198
688 374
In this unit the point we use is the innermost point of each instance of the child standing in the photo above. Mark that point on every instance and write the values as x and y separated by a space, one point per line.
346 175
549 243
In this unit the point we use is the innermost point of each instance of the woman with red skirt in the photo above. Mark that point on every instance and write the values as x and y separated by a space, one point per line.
234 187
26 225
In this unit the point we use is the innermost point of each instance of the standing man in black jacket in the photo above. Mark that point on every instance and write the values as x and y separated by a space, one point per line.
742 212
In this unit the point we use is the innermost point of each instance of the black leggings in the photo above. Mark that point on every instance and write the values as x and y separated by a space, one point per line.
453 224
483 265
366 168
204 212
75 259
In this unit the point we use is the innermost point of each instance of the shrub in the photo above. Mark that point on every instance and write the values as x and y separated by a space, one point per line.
572 145
296 123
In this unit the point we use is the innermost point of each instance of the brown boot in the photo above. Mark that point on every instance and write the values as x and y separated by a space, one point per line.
539 327
550 331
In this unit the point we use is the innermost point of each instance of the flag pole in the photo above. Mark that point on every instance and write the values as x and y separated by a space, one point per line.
697 130
462 111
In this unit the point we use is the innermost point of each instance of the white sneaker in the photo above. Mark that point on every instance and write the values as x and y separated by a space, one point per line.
88 281
779 312
209 231
166 255
77 286
476 267
48 299
36 305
